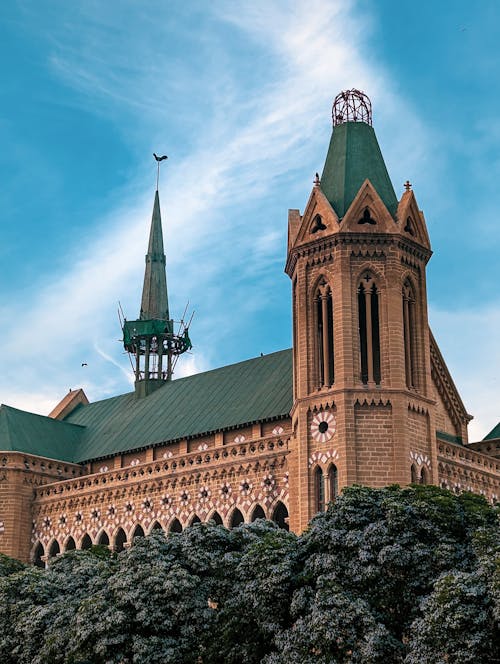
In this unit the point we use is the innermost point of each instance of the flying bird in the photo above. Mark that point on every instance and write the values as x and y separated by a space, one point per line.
84 364
159 158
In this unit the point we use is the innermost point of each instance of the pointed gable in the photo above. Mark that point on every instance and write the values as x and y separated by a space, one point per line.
411 220
368 213
319 219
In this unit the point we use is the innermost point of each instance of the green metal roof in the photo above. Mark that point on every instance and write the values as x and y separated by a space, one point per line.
21 431
494 433
238 394
353 156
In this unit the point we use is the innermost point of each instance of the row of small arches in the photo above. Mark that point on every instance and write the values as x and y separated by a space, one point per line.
121 541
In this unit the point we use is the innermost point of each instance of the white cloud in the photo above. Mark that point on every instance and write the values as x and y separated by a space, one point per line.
229 167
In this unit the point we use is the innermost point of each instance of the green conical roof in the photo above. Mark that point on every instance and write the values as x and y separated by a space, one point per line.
154 303
353 156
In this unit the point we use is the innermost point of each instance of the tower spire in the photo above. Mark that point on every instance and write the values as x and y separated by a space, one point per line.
151 339
154 303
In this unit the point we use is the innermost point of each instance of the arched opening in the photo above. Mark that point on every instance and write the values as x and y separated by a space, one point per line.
410 341
324 335
369 333
38 554
120 540
175 526
54 549
280 516
103 539
86 542
138 532
414 476
195 519
333 482
424 479
236 518
216 518
319 490
156 526
70 544
258 513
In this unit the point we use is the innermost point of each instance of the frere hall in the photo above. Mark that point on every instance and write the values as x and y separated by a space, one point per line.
363 396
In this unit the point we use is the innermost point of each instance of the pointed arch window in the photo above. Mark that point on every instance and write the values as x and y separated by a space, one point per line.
369 330
319 490
325 366
38 556
410 340
414 476
333 482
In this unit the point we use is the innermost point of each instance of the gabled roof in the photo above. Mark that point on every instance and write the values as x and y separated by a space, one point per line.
354 156
494 433
235 395
231 396
21 431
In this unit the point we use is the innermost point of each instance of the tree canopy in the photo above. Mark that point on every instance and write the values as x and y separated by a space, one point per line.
384 575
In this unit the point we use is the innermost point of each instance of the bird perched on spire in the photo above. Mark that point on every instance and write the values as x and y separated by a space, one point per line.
159 158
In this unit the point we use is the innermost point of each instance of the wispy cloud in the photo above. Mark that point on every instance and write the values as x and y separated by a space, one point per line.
250 151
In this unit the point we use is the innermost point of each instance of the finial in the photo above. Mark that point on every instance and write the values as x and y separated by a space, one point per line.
158 159
407 185
316 180
352 106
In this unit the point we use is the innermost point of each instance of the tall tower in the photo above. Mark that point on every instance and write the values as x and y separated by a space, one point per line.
363 400
151 339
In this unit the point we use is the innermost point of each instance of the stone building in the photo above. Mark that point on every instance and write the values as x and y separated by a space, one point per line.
364 396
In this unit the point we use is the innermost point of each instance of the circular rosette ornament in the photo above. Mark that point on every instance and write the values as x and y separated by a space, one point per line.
323 426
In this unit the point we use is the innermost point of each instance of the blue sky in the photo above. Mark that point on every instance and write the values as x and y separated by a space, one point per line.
238 94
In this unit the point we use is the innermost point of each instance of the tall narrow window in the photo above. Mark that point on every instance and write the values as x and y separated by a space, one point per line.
409 335
333 482
319 489
324 336
414 477
369 334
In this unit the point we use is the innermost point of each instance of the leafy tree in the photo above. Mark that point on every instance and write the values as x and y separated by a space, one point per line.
387 575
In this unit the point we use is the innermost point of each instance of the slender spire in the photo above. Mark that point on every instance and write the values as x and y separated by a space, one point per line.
154 303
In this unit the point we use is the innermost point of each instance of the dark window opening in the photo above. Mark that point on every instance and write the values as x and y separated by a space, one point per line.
103 539
120 540
86 542
414 478
38 555
236 518
70 545
138 532
216 518
176 526
54 549
319 488
258 513
333 482
375 336
280 516
362 334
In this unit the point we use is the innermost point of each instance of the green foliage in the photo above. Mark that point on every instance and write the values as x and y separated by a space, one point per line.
390 575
